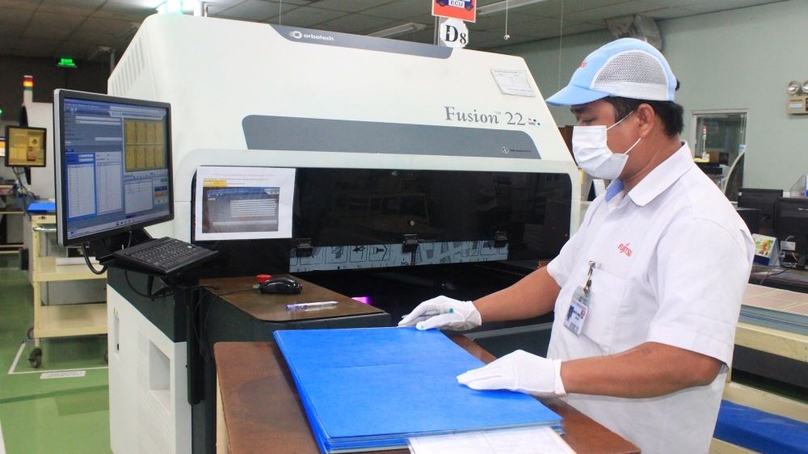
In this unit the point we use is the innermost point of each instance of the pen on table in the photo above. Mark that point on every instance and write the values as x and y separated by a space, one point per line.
314 305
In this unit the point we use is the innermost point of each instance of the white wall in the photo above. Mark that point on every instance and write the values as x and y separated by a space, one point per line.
742 58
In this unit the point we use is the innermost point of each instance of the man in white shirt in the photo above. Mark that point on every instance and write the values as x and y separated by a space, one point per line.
647 293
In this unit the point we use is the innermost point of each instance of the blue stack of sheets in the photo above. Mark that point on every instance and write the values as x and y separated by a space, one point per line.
760 431
373 388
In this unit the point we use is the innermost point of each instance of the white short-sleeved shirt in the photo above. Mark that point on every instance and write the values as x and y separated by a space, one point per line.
672 259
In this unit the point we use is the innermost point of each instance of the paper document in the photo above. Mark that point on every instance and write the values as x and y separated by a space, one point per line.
523 440
243 203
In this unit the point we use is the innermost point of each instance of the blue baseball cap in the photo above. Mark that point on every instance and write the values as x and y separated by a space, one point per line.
627 67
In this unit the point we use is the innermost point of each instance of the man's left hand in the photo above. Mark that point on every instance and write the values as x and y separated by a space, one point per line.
518 371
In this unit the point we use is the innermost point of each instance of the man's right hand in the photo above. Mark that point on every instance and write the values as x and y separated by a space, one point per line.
443 312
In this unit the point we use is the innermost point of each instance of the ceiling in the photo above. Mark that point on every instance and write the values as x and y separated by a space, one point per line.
91 29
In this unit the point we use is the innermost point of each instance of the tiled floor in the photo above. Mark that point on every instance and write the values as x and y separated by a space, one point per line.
68 413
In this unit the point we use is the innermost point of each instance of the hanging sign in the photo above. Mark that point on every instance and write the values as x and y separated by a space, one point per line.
453 33
465 10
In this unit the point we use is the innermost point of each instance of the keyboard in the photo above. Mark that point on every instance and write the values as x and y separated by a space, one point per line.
163 255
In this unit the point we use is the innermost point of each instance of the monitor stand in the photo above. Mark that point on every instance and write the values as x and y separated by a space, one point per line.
103 248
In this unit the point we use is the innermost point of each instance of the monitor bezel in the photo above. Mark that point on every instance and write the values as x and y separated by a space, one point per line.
7 158
59 98
764 200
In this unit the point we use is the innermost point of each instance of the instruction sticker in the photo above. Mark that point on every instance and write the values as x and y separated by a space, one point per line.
513 82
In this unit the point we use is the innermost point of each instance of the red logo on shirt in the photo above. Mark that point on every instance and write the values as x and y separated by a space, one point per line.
624 249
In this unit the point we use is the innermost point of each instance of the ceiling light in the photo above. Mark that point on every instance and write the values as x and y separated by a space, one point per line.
180 6
398 30
503 5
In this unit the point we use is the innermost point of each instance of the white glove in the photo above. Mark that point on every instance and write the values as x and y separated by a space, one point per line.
443 312
518 371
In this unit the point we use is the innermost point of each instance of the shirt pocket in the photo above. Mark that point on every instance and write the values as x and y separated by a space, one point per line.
605 301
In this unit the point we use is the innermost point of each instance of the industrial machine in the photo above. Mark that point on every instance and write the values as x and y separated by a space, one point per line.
383 170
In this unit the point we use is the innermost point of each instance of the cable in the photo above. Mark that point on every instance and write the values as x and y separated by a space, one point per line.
771 273
199 330
86 252
507 36
21 187
792 254
560 41
164 292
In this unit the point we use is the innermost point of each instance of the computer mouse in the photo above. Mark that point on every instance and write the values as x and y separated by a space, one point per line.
281 285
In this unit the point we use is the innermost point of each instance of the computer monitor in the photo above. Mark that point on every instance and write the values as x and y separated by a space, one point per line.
25 147
113 168
791 224
763 200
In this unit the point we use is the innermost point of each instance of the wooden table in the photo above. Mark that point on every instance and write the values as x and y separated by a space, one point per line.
235 312
259 410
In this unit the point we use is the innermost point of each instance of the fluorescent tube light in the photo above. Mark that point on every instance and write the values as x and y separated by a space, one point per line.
179 6
501 6
398 30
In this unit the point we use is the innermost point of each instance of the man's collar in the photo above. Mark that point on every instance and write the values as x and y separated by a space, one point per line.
663 176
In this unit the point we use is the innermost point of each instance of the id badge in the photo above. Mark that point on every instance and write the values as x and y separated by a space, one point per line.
576 315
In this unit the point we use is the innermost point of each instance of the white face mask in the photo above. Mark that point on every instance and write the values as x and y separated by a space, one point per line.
592 153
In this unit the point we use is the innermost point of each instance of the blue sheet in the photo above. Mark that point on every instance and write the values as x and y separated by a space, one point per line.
375 387
42 206
760 431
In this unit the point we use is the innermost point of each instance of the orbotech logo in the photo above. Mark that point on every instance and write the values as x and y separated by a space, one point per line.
297 34
506 150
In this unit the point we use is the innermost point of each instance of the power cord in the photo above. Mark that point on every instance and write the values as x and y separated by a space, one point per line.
199 331
772 273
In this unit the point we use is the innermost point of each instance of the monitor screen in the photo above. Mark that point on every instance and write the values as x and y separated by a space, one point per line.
791 224
113 165
25 147
2 147
763 200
